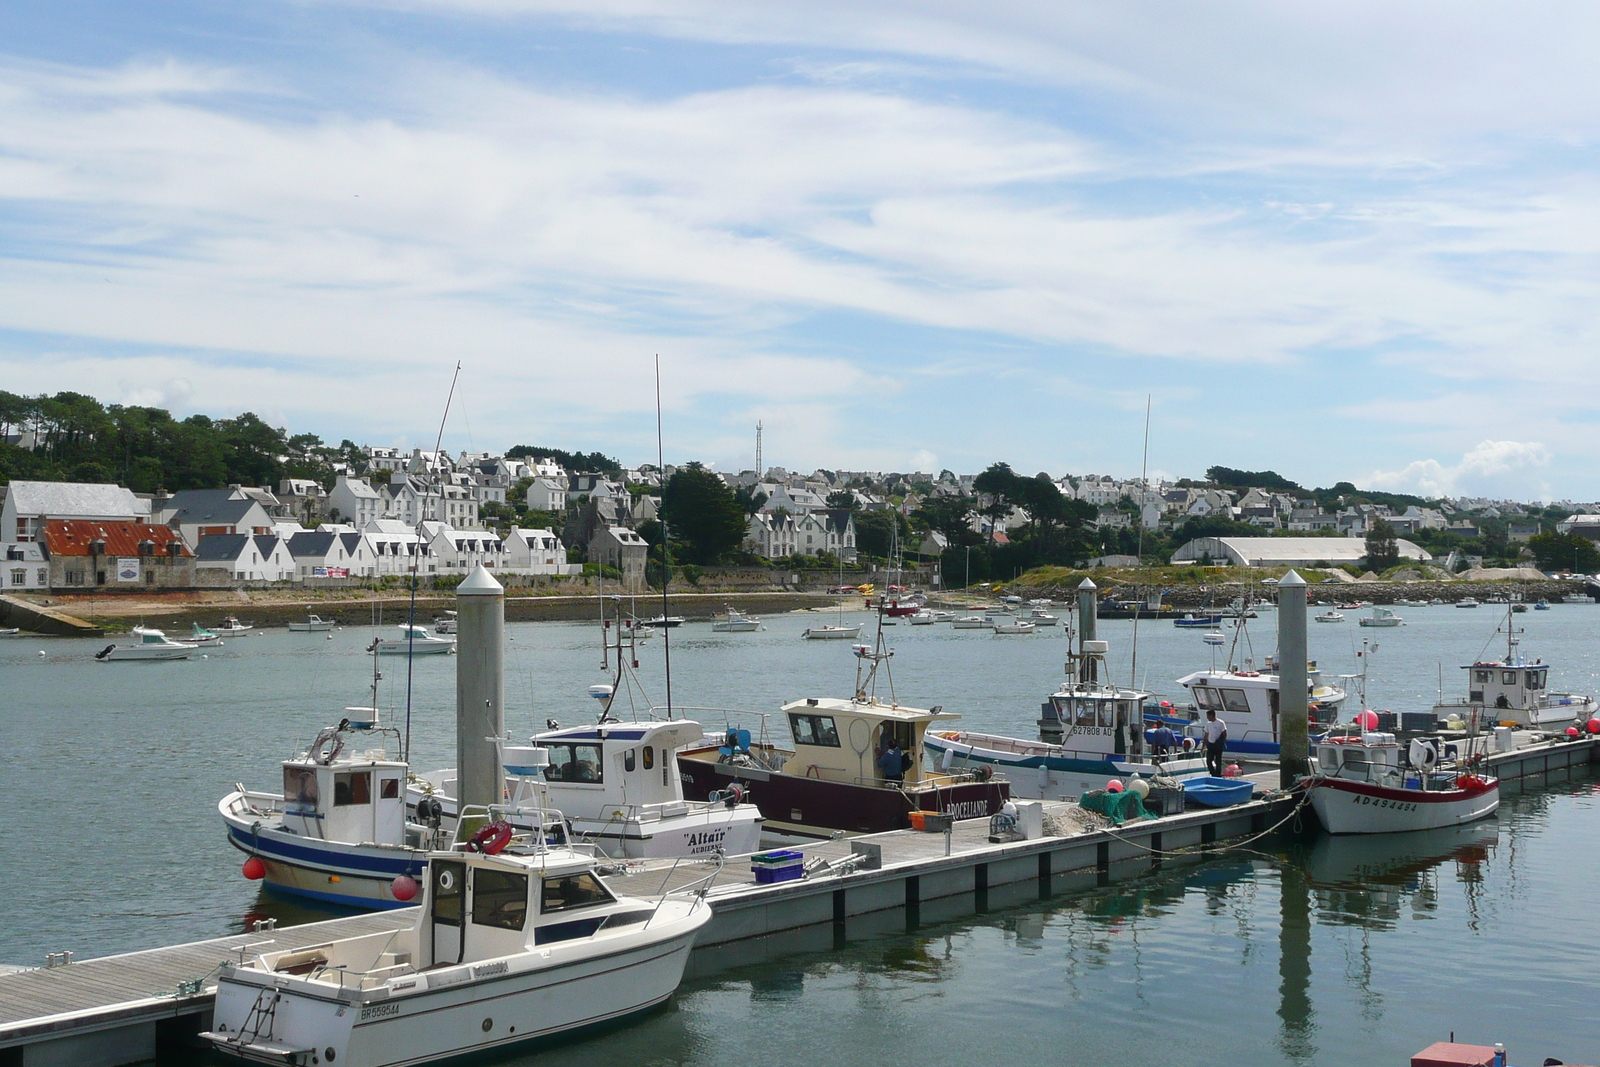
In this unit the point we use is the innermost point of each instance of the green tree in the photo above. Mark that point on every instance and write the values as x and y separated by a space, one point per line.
1383 547
949 515
704 520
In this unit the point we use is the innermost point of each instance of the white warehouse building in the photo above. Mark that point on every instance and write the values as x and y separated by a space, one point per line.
1287 551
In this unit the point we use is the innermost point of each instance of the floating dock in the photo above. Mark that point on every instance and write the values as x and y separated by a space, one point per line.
123 1009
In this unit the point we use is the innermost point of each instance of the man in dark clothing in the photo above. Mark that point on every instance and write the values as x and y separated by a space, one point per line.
891 764
1162 740
1216 734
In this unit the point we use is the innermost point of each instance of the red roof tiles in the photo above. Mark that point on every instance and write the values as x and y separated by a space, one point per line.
71 537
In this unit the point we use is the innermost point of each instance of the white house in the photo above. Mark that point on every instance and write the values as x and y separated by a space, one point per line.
246 557
355 500
199 513
26 567
29 504
396 546
535 552
324 553
459 551
771 535
547 494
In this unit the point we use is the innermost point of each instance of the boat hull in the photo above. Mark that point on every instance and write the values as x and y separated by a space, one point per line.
137 653
832 633
331 872
1047 772
473 1009
800 808
429 647
740 626
309 627
1347 807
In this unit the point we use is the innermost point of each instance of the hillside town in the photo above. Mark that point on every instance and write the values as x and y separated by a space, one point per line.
380 514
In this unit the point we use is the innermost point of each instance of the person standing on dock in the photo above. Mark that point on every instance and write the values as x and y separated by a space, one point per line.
891 764
1216 736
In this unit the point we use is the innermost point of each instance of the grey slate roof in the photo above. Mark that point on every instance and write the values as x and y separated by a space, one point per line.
71 500
207 506
310 543
220 548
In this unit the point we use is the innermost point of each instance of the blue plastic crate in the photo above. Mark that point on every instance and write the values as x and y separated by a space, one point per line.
768 875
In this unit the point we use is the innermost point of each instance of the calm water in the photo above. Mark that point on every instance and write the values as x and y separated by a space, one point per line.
1338 953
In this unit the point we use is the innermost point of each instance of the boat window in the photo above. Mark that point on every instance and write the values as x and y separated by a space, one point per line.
1508 677
574 763
299 786
1481 677
448 880
814 730
499 898
1535 679
628 760
649 757
1107 711
574 891
1083 712
1234 700
1206 697
390 788
352 787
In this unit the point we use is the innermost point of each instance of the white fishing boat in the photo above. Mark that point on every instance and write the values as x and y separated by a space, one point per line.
515 941
1012 626
337 833
1577 598
1381 617
1247 701
734 621
1359 786
1329 616
616 786
199 635
923 618
1512 691
1041 617
152 645
414 640
231 625
664 622
1466 602
971 622
313 624
445 624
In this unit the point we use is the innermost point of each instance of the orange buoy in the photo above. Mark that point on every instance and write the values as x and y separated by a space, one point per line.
254 869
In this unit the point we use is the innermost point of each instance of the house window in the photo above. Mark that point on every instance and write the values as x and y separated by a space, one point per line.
74 578
19 576
44 576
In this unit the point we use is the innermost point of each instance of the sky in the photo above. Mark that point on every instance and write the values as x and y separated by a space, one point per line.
1344 242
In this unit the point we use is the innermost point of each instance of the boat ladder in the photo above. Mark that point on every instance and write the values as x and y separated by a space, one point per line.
259 1017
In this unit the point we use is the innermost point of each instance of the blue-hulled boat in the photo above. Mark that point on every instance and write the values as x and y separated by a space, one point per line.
1217 792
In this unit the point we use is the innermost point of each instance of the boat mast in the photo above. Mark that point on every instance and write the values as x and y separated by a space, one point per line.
1144 488
416 560
666 557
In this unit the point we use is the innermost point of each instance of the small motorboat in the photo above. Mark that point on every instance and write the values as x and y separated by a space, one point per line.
831 633
313 624
1330 616
1013 626
231 625
665 622
10 631
923 618
1041 617
516 941
1213 792
1198 622
1542 605
1359 786
445 624
1466 602
153 644
1381 617
199 635
734 621
414 640
970 622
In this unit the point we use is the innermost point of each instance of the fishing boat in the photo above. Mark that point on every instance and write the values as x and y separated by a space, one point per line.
199 635
1201 622
1512 691
231 625
1466 602
1381 616
152 645
971 622
1247 701
445 624
1329 616
663 622
831 782
732 621
1359 786
1041 617
338 832
1577 598
1012 626
414 641
515 941
313 624
617 789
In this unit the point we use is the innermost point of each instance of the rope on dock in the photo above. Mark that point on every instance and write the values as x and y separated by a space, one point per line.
1294 812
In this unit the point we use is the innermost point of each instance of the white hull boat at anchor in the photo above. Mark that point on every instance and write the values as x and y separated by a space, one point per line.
733 621
509 947
831 633
1514 692
314 624
416 641
153 645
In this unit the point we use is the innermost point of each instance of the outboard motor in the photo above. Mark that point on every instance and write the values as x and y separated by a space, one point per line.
104 652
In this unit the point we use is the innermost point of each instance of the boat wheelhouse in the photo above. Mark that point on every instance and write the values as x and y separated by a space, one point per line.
1247 701
1513 691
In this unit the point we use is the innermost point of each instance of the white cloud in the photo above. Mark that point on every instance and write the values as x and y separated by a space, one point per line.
1490 468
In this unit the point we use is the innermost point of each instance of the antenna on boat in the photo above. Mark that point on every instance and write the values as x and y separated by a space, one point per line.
416 561
1144 491
666 556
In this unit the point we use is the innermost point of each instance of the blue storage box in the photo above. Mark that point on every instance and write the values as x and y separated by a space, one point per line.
781 865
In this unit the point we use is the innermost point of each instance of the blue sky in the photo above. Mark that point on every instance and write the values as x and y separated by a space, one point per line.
1354 243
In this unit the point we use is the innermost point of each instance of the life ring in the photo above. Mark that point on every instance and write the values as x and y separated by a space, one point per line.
492 839
326 748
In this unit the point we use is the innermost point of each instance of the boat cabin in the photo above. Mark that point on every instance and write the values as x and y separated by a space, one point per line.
333 794
1507 686
1088 717
838 740
1373 757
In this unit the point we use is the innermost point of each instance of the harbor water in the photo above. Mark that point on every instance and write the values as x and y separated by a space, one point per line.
1337 951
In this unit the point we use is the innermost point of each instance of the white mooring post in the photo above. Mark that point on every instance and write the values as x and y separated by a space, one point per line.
480 688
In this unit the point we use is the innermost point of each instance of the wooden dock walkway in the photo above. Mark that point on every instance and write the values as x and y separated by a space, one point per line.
121 1009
